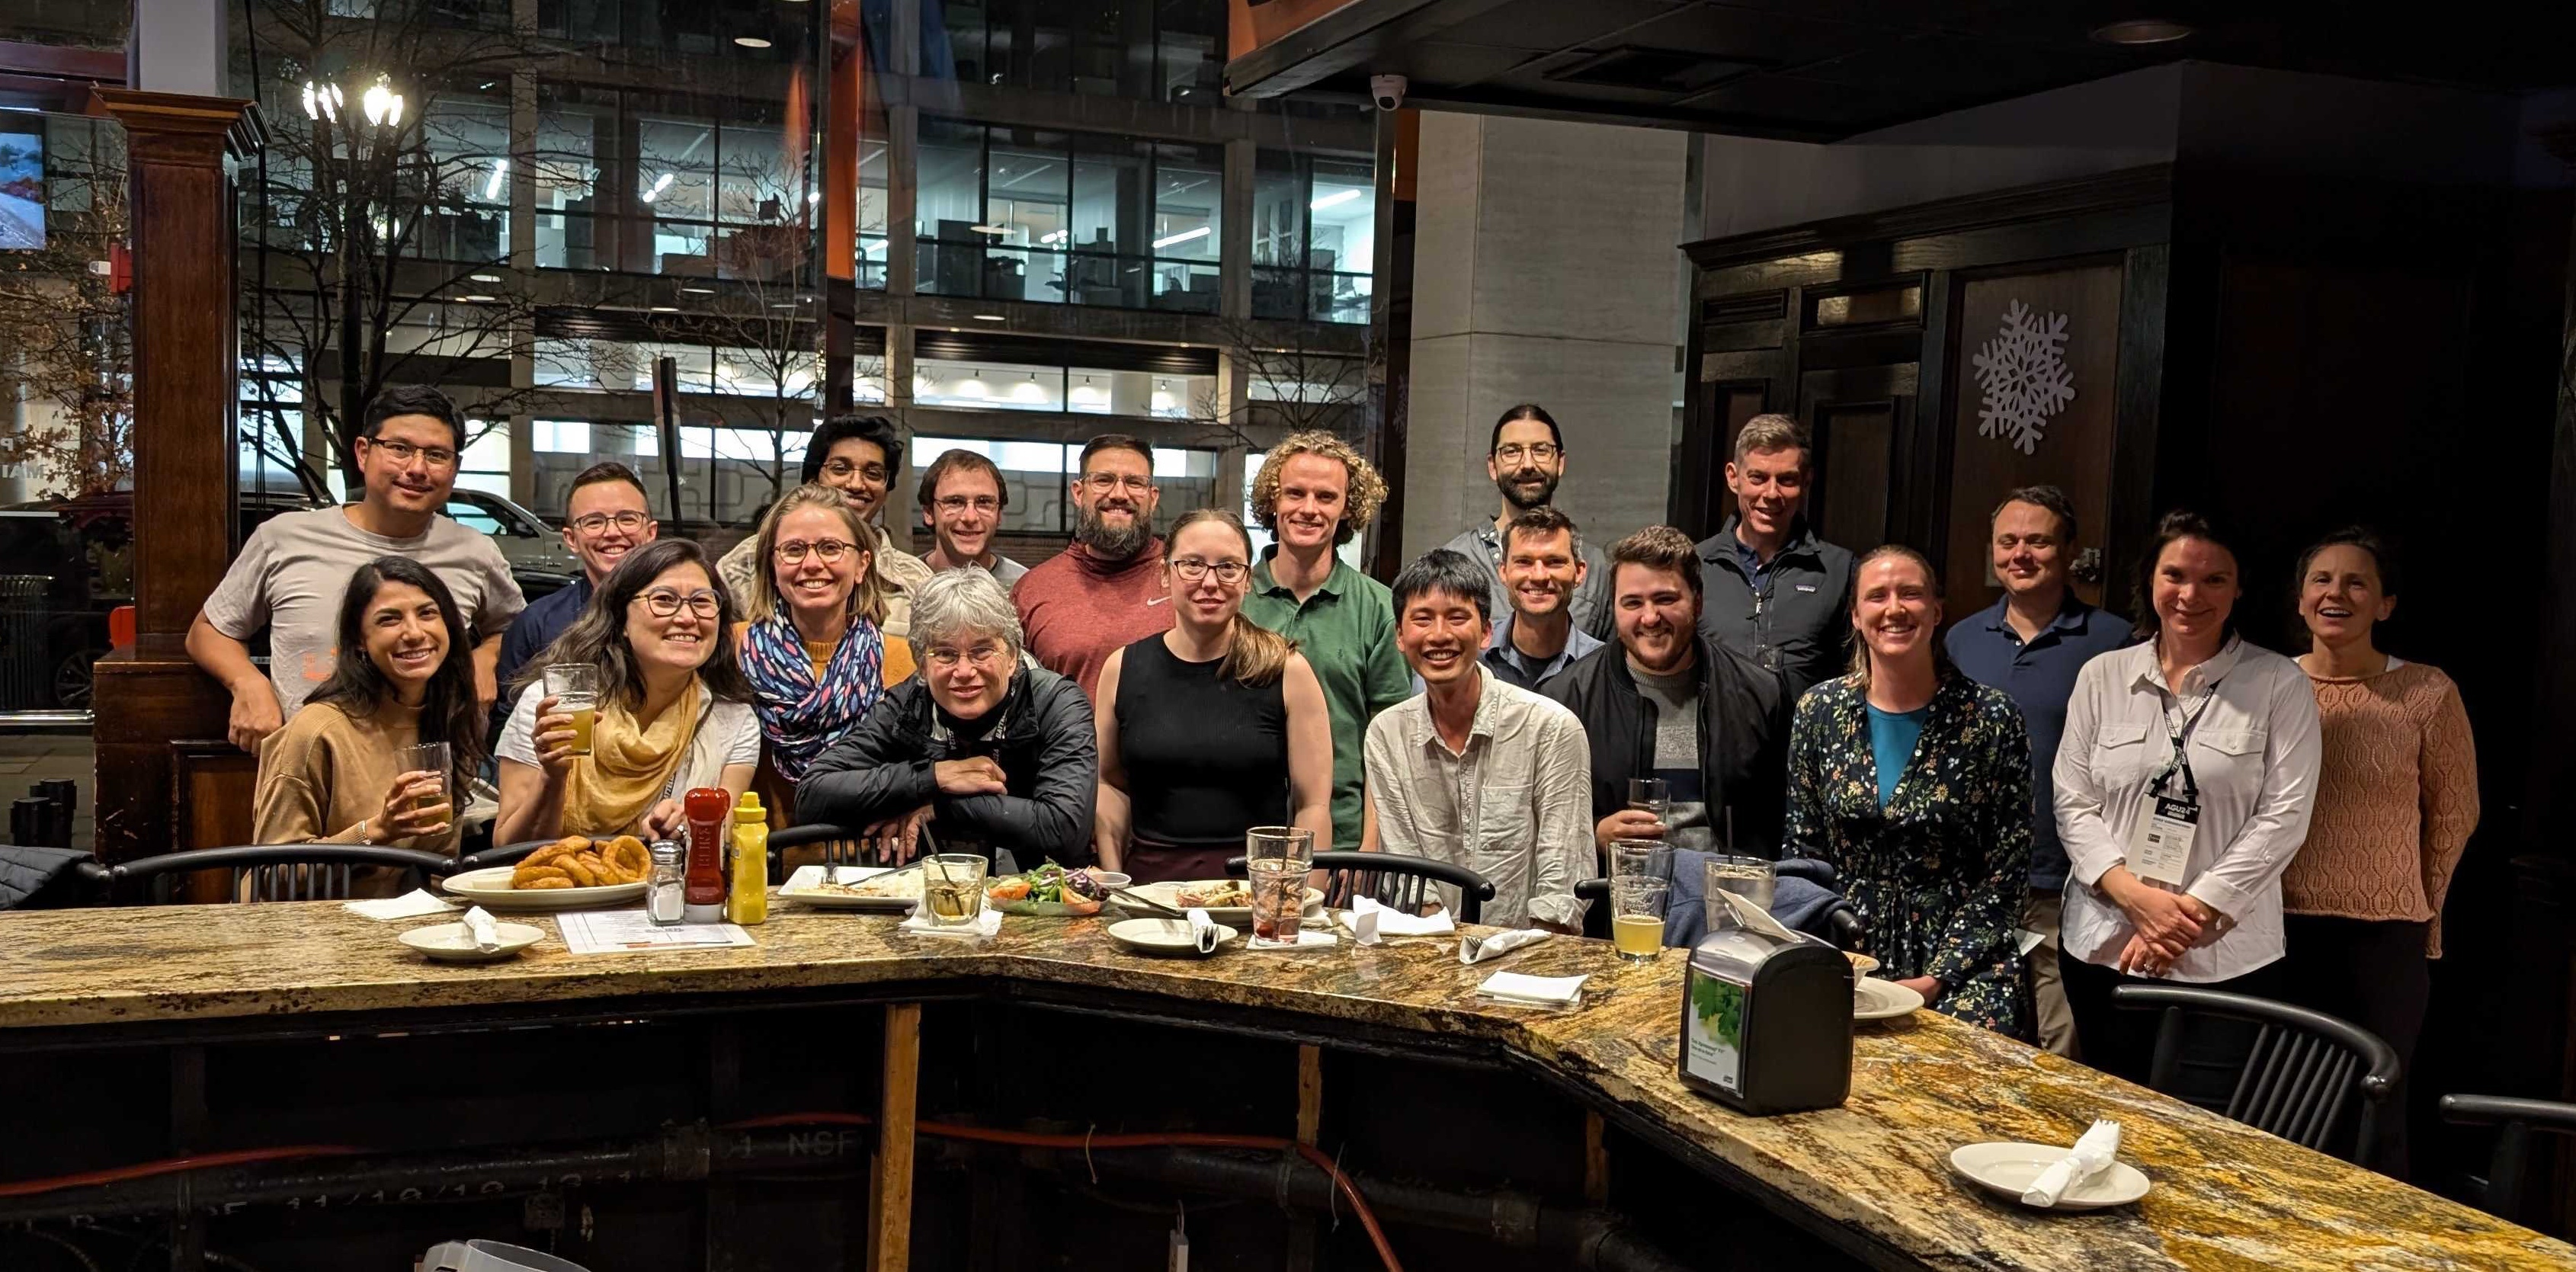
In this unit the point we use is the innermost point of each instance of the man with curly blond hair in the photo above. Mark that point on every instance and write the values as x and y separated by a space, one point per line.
1313 493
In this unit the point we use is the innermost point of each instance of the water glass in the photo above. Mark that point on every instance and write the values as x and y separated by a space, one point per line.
1746 877
1650 795
1641 878
952 888
427 757
1276 859
575 690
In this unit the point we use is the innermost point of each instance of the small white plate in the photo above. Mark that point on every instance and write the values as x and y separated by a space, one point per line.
1164 936
1169 893
1862 964
454 942
1875 999
2009 1167
800 886
490 888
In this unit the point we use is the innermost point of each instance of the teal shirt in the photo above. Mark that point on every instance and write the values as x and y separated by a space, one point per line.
1346 630
1892 735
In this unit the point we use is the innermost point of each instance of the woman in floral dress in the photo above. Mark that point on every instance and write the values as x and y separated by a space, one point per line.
1914 781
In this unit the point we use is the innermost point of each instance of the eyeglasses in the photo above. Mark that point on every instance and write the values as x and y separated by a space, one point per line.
1193 569
946 657
664 603
1538 452
793 551
405 452
842 468
1103 483
985 504
599 522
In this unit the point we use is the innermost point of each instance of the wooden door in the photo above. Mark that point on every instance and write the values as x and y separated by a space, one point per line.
1858 418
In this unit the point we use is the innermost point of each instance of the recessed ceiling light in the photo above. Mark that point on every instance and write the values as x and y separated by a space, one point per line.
990 229
2142 31
988 318
751 41
698 291
666 309
485 278
477 299
784 304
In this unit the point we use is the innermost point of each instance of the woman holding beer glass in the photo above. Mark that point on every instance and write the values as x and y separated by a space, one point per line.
347 768
1211 728
1914 782
672 712
813 644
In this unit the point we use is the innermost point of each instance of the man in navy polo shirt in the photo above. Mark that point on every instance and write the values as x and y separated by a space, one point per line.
2030 644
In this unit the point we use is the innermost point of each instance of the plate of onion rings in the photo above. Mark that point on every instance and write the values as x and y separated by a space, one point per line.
572 873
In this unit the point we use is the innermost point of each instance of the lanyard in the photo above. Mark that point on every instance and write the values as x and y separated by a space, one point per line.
2181 763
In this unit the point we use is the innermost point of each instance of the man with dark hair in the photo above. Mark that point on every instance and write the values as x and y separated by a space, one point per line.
1105 592
291 574
1668 702
963 497
2030 644
1526 460
857 455
1774 591
606 515
1474 770
1543 568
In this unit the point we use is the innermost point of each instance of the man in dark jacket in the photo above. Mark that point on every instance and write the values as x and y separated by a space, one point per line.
1775 592
993 754
1666 702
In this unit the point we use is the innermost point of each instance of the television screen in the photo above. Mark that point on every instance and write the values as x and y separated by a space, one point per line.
22 191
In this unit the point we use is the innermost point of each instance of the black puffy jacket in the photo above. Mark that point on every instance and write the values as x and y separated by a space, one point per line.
1049 756
1744 711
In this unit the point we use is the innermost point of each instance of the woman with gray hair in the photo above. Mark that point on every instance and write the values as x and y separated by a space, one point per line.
995 754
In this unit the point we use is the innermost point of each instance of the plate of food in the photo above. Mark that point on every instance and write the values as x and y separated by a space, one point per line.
572 873
1050 891
867 889
1225 900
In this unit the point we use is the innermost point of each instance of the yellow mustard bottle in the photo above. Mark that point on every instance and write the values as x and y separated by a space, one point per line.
748 902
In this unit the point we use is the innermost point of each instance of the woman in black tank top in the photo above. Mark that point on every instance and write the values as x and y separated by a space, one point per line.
1210 729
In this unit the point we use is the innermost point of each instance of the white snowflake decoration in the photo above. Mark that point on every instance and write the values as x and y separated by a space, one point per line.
2024 374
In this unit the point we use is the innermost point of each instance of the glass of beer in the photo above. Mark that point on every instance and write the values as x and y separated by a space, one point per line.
952 888
576 693
427 757
1746 877
1276 859
1641 881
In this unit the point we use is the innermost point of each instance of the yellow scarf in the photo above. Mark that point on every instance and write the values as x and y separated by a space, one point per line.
628 767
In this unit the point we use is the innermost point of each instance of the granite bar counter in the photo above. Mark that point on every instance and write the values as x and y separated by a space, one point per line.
1871 1178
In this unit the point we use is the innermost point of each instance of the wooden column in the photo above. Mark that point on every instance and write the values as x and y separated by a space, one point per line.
150 702
890 1192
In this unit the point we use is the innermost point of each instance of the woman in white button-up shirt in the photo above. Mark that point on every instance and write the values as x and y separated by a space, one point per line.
2248 724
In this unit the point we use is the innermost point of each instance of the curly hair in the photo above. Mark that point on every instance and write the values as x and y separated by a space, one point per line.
1360 502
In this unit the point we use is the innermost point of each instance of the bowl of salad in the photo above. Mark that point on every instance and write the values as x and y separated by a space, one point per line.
1050 891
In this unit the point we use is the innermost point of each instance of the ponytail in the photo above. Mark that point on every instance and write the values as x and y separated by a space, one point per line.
1254 654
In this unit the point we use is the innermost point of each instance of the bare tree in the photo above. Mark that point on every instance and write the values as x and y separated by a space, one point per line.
66 331
1294 380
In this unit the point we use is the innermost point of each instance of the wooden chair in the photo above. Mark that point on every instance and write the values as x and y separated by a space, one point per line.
2305 1071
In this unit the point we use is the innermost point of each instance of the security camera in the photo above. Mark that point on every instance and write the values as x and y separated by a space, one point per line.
1388 90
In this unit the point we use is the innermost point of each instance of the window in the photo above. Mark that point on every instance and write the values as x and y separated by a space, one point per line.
561 437
988 385
1036 215
1314 232
485 463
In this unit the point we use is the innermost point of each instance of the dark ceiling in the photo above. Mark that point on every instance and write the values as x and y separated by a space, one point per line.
1820 70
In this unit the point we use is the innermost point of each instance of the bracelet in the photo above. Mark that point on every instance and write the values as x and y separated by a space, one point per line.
363 836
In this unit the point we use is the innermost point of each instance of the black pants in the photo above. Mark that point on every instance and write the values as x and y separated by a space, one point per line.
2123 1043
2373 973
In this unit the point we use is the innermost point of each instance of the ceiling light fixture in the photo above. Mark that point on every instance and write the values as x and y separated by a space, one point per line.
697 291
485 278
751 41
990 229
666 309
492 188
479 299
1336 199
2142 31
1180 238
988 318
660 184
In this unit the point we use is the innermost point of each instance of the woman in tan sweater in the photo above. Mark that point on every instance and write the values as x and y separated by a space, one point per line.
404 675
2397 796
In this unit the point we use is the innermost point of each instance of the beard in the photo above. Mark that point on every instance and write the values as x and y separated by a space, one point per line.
1108 542
1512 486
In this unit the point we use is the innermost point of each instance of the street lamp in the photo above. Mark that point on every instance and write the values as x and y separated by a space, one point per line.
383 105
323 101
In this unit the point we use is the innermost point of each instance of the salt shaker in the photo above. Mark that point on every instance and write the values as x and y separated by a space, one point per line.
666 891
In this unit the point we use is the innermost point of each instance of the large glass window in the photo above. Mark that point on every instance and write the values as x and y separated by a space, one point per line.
1314 233
1026 214
1153 50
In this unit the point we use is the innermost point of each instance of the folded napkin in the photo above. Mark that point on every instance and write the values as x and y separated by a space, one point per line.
410 905
1548 991
487 934
1203 929
2091 1155
1372 923
1476 949
985 927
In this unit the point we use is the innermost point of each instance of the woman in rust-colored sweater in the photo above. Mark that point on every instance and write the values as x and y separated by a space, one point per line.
2397 795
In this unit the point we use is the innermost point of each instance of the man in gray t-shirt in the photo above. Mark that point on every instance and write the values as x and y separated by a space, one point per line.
1675 698
292 574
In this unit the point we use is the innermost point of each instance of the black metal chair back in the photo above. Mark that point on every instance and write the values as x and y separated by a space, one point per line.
1395 880
2303 1074
271 872
835 845
2508 1168
497 855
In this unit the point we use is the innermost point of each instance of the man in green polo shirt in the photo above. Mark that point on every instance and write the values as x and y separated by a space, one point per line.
1313 493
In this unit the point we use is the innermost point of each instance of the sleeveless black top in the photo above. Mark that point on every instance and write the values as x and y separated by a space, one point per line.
1206 758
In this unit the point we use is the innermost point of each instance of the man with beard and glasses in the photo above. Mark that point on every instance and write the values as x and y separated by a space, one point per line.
1526 460
606 516
1775 592
856 455
1106 591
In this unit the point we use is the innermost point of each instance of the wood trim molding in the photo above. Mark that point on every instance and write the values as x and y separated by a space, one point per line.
2111 191
182 127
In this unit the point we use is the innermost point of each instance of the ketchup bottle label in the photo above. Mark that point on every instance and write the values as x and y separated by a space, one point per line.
710 813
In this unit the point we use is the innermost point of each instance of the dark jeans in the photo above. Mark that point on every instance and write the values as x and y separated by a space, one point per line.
2373 973
2123 1043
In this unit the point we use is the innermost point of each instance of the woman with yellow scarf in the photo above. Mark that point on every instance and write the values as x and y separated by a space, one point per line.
674 710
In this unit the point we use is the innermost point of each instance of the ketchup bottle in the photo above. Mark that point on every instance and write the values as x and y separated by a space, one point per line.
709 810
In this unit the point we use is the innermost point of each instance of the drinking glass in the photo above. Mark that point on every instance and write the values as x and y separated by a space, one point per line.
952 886
575 690
1746 877
1650 795
1641 880
1276 859
426 757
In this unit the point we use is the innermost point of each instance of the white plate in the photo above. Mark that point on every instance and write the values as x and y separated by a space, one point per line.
2010 1168
1164 936
800 886
1875 999
490 888
454 942
1169 893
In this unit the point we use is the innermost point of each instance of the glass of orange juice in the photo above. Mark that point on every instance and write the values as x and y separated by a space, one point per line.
575 690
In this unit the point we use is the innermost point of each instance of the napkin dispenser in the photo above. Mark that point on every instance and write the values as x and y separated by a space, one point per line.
1766 1017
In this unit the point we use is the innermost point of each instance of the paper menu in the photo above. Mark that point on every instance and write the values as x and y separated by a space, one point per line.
626 931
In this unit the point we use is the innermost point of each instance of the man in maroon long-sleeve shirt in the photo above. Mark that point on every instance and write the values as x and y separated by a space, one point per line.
1106 591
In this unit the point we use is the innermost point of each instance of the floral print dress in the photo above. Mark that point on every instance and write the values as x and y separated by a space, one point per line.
1939 873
